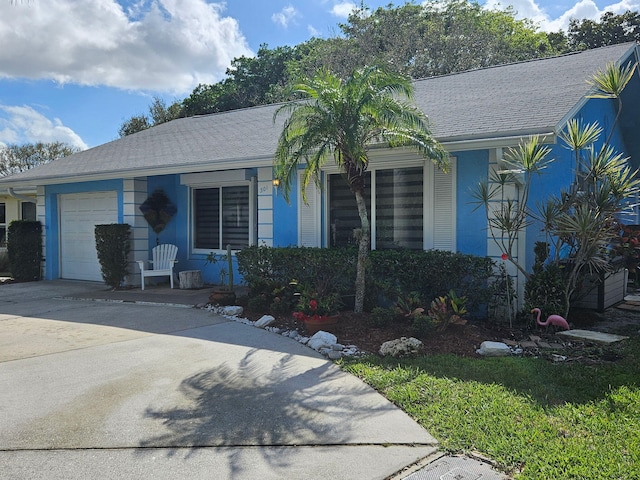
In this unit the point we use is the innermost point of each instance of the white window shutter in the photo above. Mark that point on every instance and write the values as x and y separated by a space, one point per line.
309 216
444 208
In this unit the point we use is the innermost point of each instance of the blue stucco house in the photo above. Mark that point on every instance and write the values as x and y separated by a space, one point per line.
217 172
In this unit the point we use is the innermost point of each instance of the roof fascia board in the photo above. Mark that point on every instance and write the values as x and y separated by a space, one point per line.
450 146
497 142
229 164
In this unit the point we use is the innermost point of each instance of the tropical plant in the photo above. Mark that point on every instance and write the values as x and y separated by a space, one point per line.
312 304
341 119
447 310
580 222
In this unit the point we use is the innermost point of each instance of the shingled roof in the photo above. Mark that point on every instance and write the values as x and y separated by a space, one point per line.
532 97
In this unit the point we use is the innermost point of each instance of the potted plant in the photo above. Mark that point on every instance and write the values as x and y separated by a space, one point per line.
318 312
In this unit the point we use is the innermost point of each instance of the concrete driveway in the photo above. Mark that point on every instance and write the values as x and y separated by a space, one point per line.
96 389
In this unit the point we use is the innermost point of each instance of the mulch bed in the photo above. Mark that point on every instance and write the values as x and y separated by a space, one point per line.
464 340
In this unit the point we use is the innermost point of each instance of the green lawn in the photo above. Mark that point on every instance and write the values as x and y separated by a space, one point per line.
535 418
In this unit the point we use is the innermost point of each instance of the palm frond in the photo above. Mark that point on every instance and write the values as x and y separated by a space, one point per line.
578 136
609 82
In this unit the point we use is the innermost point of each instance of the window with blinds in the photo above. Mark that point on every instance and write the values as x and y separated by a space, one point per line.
412 208
399 208
343 211
221 217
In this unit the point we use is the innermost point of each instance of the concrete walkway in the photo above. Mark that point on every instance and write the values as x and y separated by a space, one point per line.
118 390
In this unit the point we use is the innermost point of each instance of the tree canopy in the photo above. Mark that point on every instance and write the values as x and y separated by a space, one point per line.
158 113
610 30
417 40
18 158
433 38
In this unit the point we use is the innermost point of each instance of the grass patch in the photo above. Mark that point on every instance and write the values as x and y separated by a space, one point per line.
536 419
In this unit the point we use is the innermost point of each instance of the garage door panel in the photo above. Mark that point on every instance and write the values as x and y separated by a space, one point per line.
79 214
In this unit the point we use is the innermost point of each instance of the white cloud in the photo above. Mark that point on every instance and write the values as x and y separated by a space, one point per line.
23 124
285 16
159 45
583 9
342 10
313 32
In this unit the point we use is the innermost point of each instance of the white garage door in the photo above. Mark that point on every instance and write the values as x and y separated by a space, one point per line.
79 214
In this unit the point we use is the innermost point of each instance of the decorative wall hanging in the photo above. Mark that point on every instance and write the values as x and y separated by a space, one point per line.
158 210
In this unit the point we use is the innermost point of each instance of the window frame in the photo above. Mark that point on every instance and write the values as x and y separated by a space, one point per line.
386 159
251 184
35 211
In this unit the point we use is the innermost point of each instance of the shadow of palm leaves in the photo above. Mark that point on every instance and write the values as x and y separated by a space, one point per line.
254 404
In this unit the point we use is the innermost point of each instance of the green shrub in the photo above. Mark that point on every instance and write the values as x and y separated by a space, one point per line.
267 269
545 287
4 262
24 249
381 317
422 324
258 303
113 245
391 273
280 307
432 273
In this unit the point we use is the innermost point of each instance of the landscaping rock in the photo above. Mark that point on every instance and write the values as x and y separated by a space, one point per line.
334 355
401 347
264 321
494 349
232 311
322 339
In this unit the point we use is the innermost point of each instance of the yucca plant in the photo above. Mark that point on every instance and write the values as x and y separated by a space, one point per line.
581 221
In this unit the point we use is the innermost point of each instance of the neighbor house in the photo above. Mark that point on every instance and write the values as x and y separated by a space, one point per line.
216 170
15 205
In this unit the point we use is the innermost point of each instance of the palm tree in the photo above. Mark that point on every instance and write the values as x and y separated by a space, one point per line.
341 119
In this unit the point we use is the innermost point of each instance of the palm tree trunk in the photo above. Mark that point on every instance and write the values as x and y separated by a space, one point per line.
364 244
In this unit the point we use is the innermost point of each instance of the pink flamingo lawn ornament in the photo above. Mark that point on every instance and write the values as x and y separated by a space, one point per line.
556 320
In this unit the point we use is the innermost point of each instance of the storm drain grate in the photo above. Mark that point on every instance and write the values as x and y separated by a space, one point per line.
456 468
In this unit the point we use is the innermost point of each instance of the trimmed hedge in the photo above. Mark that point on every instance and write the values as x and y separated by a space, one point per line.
265 269
24 249
391 273
113 245
431 273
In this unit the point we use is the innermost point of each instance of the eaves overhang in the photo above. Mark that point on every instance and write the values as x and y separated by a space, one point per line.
497 140
225 164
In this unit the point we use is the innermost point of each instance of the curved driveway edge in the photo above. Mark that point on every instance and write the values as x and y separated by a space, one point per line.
121 390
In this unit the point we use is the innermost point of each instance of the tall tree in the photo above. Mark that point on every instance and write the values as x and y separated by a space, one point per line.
158 113
340 120
18 158
433 38
250 81
610 30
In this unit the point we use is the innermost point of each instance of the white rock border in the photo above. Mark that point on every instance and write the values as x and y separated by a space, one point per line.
322 342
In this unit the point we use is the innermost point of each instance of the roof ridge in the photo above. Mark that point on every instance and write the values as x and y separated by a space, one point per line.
522 62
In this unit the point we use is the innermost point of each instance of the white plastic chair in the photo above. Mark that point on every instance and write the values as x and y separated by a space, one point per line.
164 258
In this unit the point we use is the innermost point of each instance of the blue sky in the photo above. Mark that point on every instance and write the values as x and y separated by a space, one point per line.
74 71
